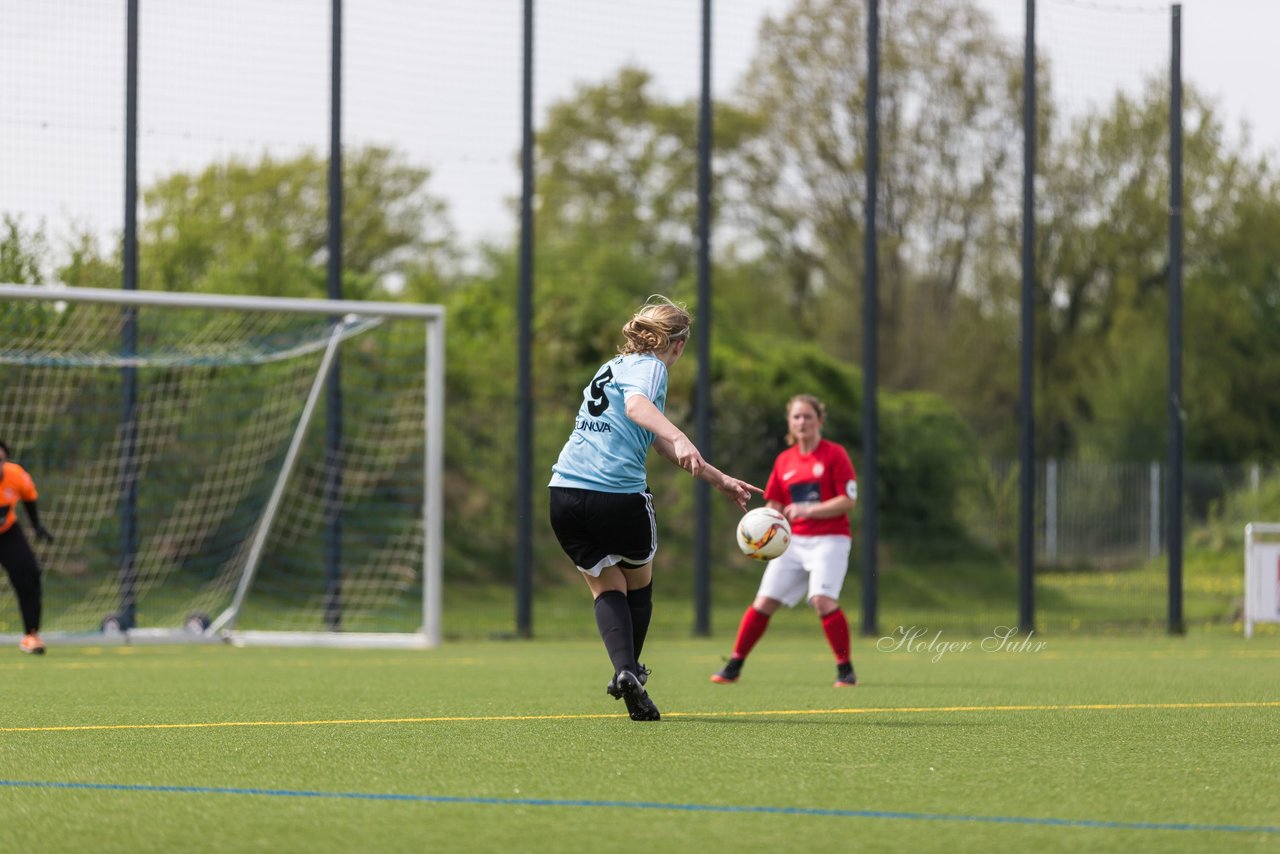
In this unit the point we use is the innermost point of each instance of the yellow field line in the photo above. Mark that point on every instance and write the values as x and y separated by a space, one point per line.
1091 707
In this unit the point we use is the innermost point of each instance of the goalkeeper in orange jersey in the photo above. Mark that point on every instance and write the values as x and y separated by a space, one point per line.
16 556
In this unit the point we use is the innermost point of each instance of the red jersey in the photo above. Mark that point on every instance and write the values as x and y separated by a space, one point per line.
814 477
15 485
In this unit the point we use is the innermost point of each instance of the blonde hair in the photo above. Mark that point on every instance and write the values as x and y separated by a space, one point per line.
657 324
818 407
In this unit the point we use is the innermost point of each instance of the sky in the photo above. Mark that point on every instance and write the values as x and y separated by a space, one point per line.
441 81
1228 49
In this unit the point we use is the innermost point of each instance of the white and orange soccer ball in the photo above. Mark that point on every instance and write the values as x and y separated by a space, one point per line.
763 533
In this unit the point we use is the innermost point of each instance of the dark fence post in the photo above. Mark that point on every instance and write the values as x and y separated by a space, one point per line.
701 489
1026 502
333 388
524 380
869 497
126 618
1174 502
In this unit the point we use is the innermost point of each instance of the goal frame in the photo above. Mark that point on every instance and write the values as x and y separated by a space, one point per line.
1254 610
223 629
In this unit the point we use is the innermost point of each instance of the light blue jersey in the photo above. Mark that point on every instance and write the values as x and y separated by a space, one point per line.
607 450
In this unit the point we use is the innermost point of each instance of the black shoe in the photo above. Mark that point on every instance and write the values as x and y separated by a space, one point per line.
636 697
845 677
729 673
612 689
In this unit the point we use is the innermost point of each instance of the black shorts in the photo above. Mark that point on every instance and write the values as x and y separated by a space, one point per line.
600 529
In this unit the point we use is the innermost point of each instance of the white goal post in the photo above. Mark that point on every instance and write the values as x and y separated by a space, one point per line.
253 470
1261 574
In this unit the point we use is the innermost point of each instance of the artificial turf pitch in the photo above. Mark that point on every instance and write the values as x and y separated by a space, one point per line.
1136 744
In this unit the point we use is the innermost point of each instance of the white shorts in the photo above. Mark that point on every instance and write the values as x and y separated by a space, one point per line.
811 566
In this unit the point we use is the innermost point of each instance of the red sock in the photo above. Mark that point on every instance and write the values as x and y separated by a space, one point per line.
749 631
836 628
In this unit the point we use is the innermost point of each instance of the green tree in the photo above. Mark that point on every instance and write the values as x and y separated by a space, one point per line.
85 266
23 252
1102 345
262 227
1232 314
949 137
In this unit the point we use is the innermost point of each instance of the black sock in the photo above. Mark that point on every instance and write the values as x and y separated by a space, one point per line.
24 575
641 604
613 619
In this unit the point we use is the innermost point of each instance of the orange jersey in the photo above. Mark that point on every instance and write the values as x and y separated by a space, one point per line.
15 485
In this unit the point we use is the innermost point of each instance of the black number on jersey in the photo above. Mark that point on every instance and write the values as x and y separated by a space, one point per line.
598 402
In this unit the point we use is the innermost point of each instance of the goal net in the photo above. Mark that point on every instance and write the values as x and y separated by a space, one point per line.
218 467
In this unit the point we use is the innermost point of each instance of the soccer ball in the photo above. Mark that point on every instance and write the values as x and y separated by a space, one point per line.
764 533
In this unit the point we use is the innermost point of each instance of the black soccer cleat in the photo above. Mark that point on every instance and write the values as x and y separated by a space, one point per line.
612 689
845 677
729 673
640 707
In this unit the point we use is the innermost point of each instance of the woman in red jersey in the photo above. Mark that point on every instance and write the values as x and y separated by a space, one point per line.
15 552
814 485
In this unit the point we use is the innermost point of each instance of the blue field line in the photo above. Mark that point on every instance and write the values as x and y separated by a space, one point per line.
642 805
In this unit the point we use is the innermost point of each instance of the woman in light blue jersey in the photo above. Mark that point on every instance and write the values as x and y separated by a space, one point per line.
601 507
